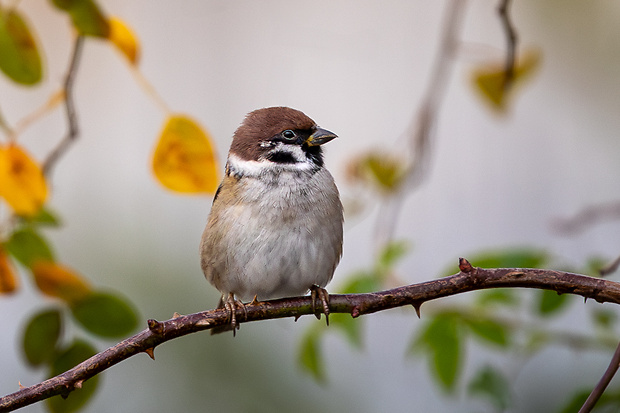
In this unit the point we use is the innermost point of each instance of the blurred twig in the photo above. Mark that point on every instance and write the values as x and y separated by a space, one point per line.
610 268
421 129
511 42
597 392
469 279
426 117
587 218
72 124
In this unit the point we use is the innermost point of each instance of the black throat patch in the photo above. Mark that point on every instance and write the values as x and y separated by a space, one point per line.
315 154
282 157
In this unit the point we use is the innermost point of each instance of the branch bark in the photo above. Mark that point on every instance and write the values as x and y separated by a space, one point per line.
468 279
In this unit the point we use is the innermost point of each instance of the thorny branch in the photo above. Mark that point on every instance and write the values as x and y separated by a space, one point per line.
468 279
72 125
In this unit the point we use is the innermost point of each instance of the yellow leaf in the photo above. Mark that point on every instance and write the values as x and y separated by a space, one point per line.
8 280
184 160
59 281
490 80
22 183
124 39
383 170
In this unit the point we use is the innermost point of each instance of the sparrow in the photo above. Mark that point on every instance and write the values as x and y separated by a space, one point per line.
275 226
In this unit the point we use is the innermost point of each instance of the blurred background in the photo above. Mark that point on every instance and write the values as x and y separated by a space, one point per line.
360 69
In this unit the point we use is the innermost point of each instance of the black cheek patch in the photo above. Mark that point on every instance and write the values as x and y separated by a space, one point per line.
281 157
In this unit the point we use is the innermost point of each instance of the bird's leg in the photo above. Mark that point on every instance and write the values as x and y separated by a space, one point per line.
321 293
231 305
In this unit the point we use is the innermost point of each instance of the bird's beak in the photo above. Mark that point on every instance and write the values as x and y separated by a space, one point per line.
319 137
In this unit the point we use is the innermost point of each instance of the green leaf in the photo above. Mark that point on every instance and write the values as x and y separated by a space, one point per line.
105 315
86 16
45 217
368 281
550 302
362 282
576 402
27 246
608 402
349 326
536 341
20 59
503 296
41 336
593 266
310 357
491 384
490 331
442 339
75 354
516 257
392 253
511 258
604 318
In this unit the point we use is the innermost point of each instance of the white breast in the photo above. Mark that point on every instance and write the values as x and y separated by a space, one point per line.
280 234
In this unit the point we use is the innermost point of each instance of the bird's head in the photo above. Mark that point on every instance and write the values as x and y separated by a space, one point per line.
278 138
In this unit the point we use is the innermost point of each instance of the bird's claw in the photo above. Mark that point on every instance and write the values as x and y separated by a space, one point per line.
231 304
323 295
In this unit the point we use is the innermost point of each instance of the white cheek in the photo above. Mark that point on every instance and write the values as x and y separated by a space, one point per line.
255 168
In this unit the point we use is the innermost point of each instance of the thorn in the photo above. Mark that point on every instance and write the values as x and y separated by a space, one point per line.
297 317
203 322
585 300
355 312
20 385
78 384
254 301
465 266
155 326
417 307
65 394
176 315
151 352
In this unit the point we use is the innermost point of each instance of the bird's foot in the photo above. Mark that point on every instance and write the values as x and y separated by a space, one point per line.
231 305
323 295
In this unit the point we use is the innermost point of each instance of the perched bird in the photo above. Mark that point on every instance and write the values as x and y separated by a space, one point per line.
275 227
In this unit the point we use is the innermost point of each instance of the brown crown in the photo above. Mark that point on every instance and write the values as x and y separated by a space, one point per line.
262 124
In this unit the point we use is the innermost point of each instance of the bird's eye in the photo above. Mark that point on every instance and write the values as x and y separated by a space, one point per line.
289 135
